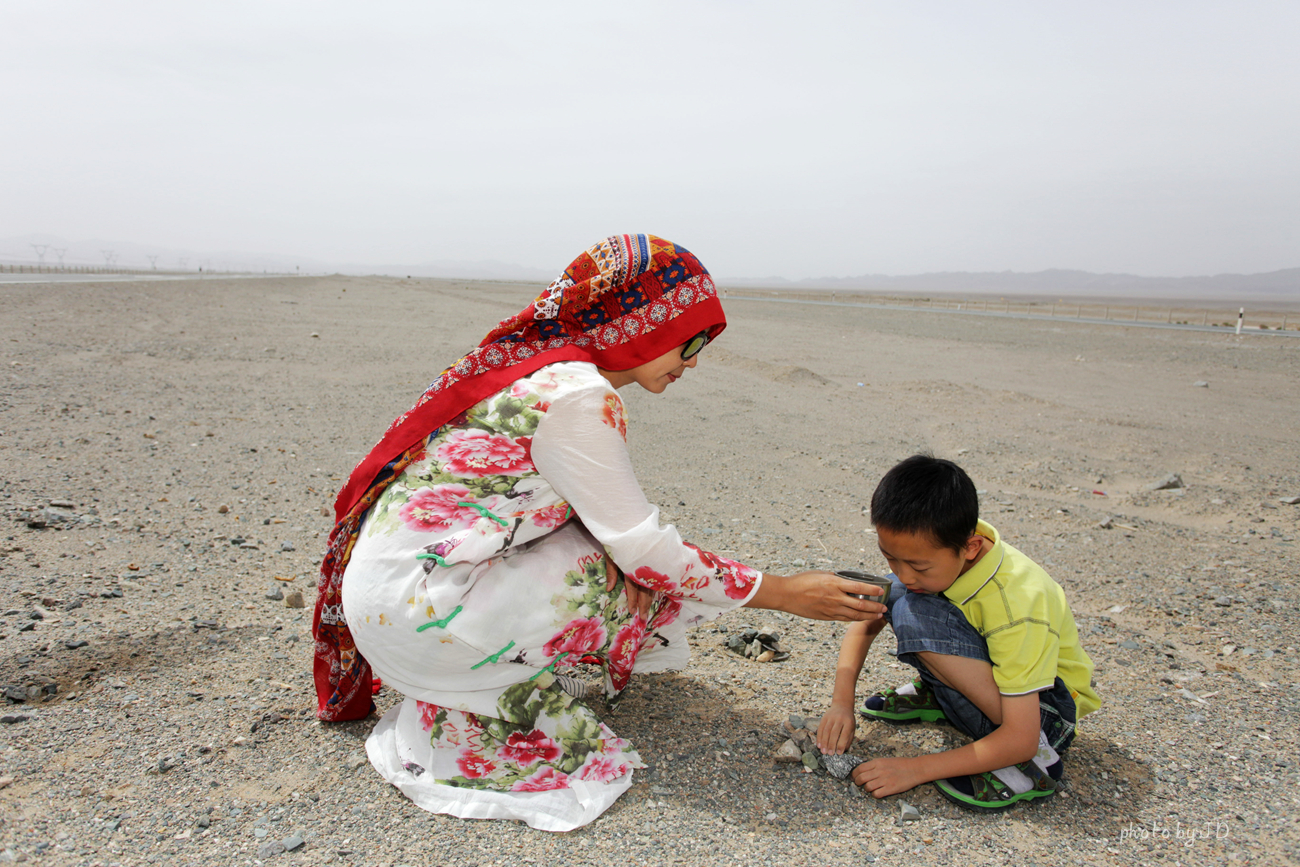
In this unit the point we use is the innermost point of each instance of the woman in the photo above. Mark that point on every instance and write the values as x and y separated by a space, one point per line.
497 536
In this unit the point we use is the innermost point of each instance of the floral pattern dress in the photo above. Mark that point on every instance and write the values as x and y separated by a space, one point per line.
480 574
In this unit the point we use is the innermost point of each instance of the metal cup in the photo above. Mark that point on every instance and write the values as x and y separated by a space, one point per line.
867 578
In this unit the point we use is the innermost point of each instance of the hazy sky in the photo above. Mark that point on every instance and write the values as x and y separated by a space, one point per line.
772 138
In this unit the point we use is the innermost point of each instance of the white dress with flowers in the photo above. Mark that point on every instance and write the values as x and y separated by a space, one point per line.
480 573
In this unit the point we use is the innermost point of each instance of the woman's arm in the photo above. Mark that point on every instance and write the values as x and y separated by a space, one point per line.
818 595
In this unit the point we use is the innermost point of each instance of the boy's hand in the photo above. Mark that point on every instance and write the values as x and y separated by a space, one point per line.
888 776
835 731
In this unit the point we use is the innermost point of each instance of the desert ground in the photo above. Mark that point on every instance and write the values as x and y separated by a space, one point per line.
171 450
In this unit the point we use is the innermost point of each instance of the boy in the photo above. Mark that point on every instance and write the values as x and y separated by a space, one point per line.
990 635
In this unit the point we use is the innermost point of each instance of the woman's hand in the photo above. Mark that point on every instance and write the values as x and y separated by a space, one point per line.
835 731
638 598
817 595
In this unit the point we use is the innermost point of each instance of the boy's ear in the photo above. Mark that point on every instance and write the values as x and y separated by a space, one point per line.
971 549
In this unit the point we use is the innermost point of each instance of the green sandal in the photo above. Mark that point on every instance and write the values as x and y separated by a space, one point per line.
986 793
892 706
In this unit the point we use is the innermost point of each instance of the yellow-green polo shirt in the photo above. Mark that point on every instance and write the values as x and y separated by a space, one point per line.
1023 615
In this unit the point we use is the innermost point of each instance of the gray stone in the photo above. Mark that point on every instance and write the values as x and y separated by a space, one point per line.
788 753
1169 482
286 546
356 760
260 833
270 848
1129 644
274 593
1200 383
907 813
796 721
1290 501
1195 718
73 644
841 766
1106 523
1223 601
810 761
292 842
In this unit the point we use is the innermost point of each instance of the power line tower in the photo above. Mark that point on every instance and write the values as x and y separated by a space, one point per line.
59 251
153 261
110 257
40 252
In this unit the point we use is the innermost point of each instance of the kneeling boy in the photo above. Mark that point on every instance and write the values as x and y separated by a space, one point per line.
990 635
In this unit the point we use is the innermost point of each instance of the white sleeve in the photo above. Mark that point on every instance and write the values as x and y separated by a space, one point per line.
579 449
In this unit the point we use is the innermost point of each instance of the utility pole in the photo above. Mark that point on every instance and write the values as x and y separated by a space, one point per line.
59 252
40 252
153 261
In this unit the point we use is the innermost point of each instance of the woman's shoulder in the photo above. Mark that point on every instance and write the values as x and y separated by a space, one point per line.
563 378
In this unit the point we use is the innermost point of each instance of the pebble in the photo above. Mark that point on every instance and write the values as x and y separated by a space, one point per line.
274 593
1169 482
1129 644
1290 501
270 849
294 599
1200 383
907 813
292 842
788 753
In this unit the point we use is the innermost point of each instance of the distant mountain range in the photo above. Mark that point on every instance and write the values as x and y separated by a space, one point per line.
1281 285
1273 285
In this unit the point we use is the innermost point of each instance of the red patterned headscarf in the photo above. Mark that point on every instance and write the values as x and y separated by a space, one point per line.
624 302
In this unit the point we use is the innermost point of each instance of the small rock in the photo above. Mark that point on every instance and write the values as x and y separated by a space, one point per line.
72 605
73 644
6 782
1200 383
260 833
1223 601
274 593
1129 644
770 817
1290 501
203 822
11 718
765 656
292 843
1195 717
222 509
293 599
841 766
810 761
788 753
356 760
1169 482
907 813
270 848
796 721
1106 523
286 546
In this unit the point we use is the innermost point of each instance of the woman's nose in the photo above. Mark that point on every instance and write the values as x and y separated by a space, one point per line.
690 362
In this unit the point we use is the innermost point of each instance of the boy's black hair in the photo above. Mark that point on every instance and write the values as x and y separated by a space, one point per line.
925 494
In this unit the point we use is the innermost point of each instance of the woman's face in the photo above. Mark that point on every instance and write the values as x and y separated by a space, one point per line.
654 376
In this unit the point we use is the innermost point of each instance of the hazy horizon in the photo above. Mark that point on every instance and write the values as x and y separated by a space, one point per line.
841 139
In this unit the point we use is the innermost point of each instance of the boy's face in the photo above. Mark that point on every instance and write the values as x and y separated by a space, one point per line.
922 564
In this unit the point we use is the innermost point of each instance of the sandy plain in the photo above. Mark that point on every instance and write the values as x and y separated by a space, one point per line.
182 730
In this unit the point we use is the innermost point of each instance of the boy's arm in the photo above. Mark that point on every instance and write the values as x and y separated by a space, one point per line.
835 732
1014 741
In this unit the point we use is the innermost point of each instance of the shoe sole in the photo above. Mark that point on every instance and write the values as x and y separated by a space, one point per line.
905 716
963 800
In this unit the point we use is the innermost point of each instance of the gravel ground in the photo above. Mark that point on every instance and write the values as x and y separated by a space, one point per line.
170 451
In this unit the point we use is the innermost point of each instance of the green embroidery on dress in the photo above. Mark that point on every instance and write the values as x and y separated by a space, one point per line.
431 556
493 658
441 624
484 512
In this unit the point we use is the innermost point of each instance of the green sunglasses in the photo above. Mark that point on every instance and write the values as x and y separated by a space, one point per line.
693 346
